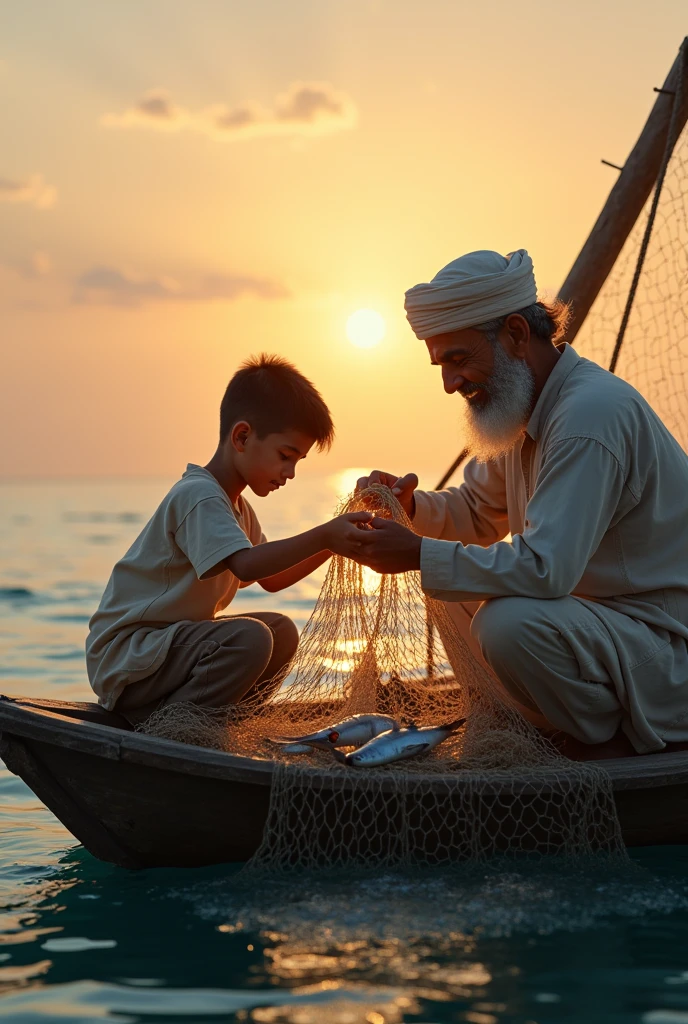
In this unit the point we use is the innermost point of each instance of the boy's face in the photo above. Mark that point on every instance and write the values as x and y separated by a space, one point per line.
267 463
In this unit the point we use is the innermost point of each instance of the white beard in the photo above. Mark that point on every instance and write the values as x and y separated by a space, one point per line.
494 427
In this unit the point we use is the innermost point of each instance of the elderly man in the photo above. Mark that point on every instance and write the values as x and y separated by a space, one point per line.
583 614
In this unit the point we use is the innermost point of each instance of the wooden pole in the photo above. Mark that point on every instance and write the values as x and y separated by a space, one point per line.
626 199
622 208
452 469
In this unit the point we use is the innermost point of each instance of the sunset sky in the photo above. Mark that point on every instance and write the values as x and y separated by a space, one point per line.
183 184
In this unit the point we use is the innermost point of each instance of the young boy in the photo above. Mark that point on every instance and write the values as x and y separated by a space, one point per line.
155 638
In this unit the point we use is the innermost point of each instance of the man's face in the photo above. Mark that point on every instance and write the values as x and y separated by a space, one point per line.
268 463
466 359
497 389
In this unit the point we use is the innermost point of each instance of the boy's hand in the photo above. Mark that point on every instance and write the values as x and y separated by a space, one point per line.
402 487
343 535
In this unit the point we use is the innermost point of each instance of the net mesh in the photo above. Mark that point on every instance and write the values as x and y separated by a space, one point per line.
378 644
652 357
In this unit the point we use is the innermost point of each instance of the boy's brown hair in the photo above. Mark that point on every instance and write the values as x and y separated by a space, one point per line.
272 395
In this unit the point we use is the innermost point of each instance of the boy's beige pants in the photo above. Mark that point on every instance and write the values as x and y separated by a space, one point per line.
214 663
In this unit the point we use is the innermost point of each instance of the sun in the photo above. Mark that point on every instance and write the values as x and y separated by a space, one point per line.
365 328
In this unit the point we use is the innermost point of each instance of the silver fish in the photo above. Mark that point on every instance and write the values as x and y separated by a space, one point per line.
397 744
293 748
352 732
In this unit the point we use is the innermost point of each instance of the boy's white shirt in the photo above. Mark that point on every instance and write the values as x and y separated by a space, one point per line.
166 578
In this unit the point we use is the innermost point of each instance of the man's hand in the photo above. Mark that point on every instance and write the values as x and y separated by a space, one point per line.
343 534
388 547
402 487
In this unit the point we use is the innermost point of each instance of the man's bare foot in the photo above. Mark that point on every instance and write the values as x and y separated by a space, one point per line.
618 746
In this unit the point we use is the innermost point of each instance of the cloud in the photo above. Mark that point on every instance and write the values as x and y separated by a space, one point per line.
29 282
38 264
34 190
108 286
306 108
154 110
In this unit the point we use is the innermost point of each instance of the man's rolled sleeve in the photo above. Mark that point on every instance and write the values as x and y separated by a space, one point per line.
436 564
579 489
430 514
474 513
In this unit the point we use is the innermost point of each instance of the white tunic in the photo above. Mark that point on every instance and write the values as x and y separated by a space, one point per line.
173 573
596 500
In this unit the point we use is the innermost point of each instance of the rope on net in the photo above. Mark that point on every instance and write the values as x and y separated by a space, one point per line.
494 785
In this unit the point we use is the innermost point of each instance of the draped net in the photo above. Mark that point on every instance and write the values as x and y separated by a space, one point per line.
378 644
653 354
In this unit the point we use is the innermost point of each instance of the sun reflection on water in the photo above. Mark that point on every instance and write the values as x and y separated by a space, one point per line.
353 646
371 581
339 664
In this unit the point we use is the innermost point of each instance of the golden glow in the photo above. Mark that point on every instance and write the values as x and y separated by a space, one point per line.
351 646
339 664
371 580
365 328
320 227
344 482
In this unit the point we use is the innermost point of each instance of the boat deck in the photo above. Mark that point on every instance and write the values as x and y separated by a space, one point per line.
140 800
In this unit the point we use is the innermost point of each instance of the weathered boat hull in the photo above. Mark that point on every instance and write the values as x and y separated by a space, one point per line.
139 801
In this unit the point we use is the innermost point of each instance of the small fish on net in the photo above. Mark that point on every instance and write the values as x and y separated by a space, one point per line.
377 648
352 732
398 744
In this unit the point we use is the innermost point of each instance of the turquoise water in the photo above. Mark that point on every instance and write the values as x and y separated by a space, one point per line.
84 941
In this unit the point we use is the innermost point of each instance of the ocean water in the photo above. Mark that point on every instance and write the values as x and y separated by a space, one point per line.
84 941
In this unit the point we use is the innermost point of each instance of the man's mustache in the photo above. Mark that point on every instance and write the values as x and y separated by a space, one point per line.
470 389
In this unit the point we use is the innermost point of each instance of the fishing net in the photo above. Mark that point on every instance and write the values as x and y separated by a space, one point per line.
378 644
655 341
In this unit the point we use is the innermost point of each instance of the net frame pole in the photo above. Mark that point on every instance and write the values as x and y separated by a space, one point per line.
672 139
452 469
622 208
627 198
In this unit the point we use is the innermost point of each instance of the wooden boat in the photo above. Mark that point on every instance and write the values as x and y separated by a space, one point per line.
139 801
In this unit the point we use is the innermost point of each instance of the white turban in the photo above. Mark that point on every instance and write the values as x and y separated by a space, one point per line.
477 287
